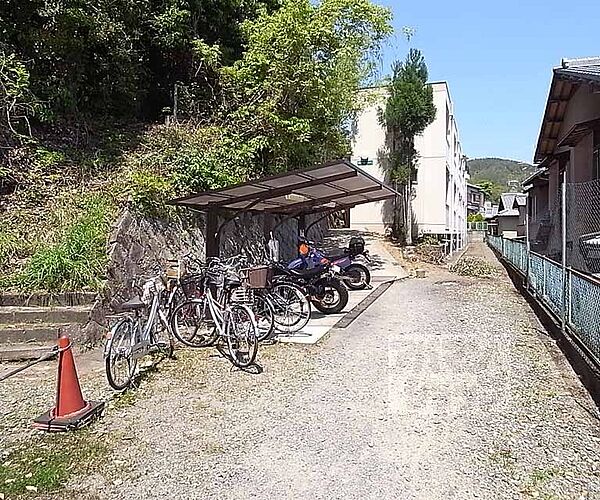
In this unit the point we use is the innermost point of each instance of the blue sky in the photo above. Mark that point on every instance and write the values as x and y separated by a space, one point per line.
497 58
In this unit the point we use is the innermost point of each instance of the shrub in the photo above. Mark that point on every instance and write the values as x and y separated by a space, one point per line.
150 192
77 259
174 161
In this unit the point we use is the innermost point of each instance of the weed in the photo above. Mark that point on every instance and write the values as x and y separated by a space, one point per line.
537 480
46 465
10 245
474 267
213 448
504 457
150 192
77 259
124 399
46 158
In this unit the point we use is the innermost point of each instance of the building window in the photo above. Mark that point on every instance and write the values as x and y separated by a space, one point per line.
532 207
596 156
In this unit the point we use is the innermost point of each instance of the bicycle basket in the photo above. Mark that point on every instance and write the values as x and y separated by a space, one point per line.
258 277
175 269
192 285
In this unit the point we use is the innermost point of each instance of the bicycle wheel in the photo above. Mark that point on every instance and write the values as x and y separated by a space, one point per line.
264 312
242 335
292 308
119 363
192 324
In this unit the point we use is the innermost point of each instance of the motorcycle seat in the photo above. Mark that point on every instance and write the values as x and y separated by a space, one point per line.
306 273
333 258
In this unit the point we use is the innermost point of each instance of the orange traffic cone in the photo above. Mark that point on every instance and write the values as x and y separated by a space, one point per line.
71 410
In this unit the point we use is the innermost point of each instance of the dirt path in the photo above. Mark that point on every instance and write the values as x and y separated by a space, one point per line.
443 388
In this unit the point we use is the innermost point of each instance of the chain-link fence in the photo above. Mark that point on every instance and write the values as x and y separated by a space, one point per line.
583 226
571 296
582 229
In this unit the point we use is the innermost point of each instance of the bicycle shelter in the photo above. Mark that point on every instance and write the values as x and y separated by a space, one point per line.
327 188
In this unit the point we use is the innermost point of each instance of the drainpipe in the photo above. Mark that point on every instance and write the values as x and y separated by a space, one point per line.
564 251
527 245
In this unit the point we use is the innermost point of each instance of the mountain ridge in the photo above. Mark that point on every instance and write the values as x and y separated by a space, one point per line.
502 174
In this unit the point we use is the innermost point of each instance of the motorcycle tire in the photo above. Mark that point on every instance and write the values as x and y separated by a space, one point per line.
328 303
356 277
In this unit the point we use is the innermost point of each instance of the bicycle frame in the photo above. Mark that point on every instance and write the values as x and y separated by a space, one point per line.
145 344
142 341
219 314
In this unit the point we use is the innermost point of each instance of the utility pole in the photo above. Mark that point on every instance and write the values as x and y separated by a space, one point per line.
175 98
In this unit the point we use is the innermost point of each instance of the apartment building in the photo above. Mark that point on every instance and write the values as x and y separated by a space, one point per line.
440 191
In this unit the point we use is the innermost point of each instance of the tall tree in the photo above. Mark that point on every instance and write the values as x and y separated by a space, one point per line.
293 92
408 111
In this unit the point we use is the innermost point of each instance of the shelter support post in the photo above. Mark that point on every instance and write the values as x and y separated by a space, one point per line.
213 237
316 221
301 226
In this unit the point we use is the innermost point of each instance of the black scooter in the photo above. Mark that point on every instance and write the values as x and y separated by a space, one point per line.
321 284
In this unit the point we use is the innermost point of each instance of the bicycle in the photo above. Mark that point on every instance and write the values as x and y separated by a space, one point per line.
285 301
201 322
250 293
135 335
278 305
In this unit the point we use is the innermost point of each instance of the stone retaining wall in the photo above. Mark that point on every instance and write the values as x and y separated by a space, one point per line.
140 245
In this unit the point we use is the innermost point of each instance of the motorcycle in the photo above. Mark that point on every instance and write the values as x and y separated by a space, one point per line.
354 275
320 283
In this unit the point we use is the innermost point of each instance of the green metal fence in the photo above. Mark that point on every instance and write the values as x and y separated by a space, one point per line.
571 296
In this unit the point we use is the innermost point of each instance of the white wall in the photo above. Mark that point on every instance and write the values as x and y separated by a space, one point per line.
440 203
368 141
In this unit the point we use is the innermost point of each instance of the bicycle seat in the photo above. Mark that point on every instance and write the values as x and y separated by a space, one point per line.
133 304
232 281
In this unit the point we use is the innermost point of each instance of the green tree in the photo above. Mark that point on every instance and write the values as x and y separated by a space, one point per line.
120 57
285 104
487 188
293 92
475 217
491 190
409 109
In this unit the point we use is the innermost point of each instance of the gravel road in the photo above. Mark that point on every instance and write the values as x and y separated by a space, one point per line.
444 388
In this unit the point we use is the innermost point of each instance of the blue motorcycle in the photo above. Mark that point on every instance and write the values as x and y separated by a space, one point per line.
353 274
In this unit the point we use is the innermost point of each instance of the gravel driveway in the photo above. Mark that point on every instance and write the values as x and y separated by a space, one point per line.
444 388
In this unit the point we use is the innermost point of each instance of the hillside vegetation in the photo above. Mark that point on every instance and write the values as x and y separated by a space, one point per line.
499 175
86 87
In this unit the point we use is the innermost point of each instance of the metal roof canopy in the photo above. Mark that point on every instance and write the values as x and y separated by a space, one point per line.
337 184
333 186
